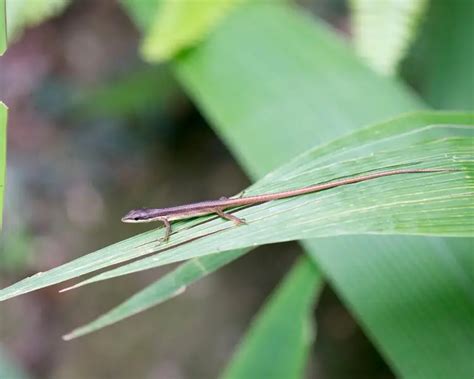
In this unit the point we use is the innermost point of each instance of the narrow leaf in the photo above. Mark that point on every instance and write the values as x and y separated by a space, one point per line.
427 203
279 339
163 289
421 204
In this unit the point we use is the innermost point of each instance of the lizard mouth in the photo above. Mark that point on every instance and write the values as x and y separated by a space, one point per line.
130 218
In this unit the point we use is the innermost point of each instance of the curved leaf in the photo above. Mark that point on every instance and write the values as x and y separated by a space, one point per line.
300 85
411 204
276 346
170 285
428 203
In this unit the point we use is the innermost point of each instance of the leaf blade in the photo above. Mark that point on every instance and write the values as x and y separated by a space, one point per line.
163 289
277 346
275 221
301 74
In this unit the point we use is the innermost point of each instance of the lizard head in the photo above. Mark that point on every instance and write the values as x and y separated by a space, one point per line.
137 215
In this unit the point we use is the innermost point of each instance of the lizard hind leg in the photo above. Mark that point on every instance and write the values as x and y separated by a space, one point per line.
228 216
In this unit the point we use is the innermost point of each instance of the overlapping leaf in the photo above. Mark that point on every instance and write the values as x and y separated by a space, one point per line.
299 85
163 289
428 203
277 346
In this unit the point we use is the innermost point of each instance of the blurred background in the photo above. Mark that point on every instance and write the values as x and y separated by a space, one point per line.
93 131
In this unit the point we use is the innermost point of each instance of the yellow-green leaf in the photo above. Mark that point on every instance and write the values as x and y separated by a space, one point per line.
383 30
181 24
25 13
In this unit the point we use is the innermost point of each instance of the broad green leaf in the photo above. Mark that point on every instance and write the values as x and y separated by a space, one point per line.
25 13
3 154
427 203
383 30
163 289
181 24
276 345
3 27
240 94
427 294
442 60
257 81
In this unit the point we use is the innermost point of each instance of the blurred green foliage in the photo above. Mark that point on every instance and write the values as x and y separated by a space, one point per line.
278 344
177 25
274 82
24 13
383 30
440 64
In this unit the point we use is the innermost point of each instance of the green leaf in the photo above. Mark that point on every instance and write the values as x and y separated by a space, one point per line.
386 205
181 24
295 86
142 12
416 297
382 206
241 95
163 289
446 78
3 27
25 13
383 30
3 154
277 346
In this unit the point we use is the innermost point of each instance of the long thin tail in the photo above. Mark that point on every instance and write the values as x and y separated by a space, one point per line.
335 183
